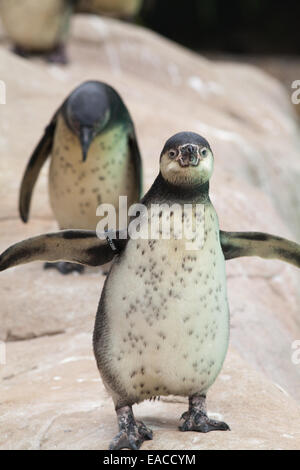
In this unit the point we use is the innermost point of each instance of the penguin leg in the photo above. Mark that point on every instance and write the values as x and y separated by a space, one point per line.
58 55
196 419
65 268
131 433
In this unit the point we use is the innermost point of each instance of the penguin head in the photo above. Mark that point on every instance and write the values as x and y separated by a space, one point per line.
87 112
186 159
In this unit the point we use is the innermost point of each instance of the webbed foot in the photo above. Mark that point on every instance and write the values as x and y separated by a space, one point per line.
132 433
196 418
65 268
202 423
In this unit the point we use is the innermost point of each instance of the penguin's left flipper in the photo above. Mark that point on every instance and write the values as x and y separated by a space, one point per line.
37 160
76 246
264 245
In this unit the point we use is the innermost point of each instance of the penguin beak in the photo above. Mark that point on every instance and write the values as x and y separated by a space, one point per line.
188 156
86 137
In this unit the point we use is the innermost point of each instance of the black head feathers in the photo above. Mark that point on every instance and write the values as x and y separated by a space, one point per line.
182 138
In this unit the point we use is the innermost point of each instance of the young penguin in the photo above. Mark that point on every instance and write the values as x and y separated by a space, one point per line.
36 26
162 325
94 159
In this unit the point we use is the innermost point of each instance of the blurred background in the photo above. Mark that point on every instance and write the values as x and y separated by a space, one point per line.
233 27
261 32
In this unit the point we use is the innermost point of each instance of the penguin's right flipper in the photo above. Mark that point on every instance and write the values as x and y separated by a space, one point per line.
37 160
76 246
137 161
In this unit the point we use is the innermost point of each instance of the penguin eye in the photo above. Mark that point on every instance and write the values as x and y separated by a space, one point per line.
204 152
172 153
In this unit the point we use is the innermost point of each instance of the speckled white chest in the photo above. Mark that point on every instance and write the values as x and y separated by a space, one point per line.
77 188
168 317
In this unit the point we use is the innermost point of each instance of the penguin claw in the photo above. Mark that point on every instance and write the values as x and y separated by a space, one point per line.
145 432
200 422
123 441
131 438
64 267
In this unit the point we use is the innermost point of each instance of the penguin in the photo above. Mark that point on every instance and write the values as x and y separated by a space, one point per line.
121 8
46 34
162 325
95 159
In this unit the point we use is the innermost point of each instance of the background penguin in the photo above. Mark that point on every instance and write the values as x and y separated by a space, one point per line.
162 325
94 159
36 26
119 8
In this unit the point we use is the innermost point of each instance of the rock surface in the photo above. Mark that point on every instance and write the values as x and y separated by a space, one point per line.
52 398
247 118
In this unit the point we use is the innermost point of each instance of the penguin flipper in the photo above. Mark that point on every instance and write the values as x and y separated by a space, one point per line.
37 160
264 245
76 246
137 161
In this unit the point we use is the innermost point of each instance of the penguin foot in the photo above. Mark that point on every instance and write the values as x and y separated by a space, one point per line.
132 433
58 56
196 418
65 268
131 438
200 422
